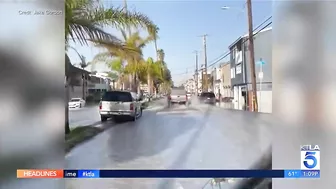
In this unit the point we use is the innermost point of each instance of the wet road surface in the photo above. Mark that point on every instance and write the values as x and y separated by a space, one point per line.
195 137
84 116
89 115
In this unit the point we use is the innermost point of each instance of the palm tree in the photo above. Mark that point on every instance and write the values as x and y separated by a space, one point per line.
152 72
164 69
154 34
131 53
117 66
84 22
161 55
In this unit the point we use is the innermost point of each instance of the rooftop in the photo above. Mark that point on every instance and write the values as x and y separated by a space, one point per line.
254 33
246 35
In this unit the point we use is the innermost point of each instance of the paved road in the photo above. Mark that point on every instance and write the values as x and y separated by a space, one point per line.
179 137
84 116
88 115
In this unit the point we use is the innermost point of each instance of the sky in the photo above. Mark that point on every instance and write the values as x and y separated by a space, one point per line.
181 24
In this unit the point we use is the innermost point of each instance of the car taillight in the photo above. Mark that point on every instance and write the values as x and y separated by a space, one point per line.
132 107
100 106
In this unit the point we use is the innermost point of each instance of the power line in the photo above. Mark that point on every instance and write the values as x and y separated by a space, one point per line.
227 53
180 69
184 73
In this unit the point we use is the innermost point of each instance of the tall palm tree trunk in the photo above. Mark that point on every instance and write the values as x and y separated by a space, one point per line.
119 82
130 76
135 83
130 81
153 88
156 50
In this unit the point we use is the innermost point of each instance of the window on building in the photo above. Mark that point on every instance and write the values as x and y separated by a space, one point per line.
233 73
239 57
234 52
238 69
239 48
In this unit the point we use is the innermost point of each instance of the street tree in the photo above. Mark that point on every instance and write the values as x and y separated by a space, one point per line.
85 22
117 66
151 71
131 54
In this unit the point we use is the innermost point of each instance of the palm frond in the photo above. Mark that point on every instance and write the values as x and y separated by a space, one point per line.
123 33
80 30
145 41
120 19
122 51
116 65
102 57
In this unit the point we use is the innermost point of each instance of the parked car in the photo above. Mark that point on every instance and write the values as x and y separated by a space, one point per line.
120 104
207 98
76 103
178 96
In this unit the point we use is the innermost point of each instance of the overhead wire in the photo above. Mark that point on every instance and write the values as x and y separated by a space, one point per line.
227 53
242 7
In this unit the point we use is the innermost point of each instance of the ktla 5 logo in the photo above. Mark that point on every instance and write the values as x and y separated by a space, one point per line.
310 157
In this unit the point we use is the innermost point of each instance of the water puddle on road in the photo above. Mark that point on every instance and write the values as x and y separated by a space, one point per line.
179 110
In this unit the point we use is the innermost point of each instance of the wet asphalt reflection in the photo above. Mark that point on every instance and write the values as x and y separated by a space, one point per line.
179 137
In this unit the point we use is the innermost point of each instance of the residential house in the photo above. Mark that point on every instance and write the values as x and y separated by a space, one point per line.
190 85
98 83
238 74
76 81
225 80
216 80
241 72
199 81
212 79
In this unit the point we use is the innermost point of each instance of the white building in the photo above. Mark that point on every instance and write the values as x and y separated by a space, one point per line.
216 74
190 86
99 83
241 71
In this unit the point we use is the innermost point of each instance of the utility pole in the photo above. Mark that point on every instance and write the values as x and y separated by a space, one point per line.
205 63
196 72
125 5
252 61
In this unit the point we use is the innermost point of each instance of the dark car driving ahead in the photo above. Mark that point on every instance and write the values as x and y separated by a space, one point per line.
208 98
